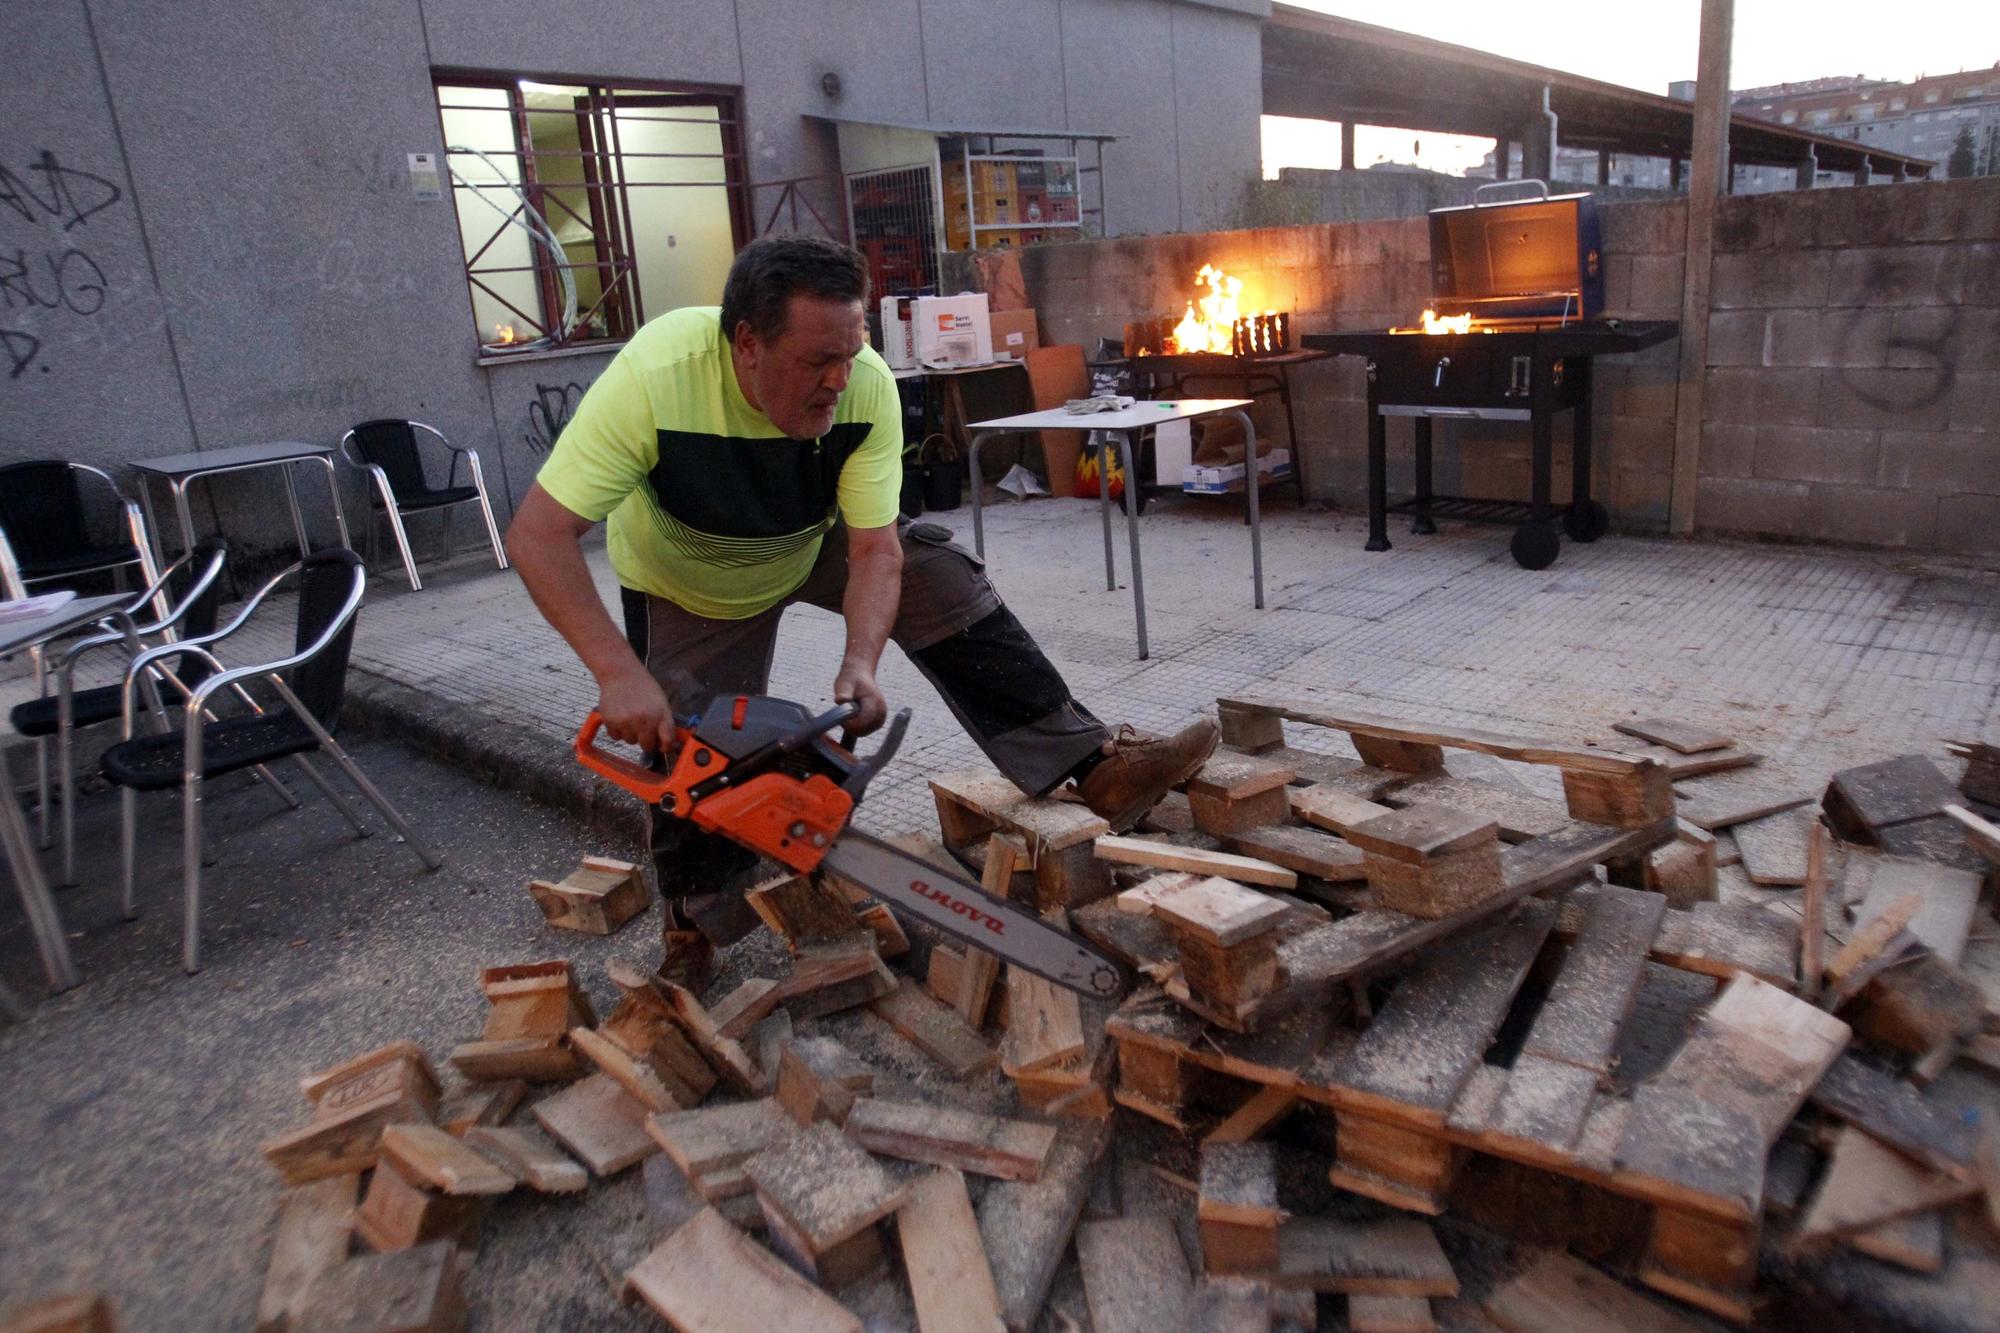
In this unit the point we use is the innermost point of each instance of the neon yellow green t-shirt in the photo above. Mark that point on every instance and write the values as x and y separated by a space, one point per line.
711 506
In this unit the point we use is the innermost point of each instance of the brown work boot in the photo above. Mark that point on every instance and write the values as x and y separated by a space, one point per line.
687 959
1138 770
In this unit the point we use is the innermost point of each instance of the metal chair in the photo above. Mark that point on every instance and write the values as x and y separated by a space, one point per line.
386 449
45 537
310 683
192 586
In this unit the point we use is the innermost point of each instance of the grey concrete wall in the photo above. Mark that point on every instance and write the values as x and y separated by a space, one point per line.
1852 393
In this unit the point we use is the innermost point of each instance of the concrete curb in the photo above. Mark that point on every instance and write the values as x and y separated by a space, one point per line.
503 754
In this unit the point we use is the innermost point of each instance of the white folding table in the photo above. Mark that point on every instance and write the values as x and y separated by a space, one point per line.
1126 425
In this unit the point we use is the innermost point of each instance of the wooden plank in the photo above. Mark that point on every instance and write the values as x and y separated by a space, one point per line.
1561 1292
1390 1314
1307 851
1915 1242
1700 1130
315 1226
1680 767
1519 815
747 1006
600 1123
1868 1183
646 1080
1418 833
1135 1274
708 1275
1228 776
1592 994
1542 1109
1685 737
1730 940
1218 910
1263 1109
1896 1113
410 1291
1048 825
1044 1024
1950 897
1331 808
819 1188
429 1156
972 997
1882 937
941 1136
934 1029
480 1104
532 1159
1396 1256
1418 1052
1162 856
1519 749
1026 1227
951 1283
1774 847
715 1138
532 1059
1229 1305
1715 811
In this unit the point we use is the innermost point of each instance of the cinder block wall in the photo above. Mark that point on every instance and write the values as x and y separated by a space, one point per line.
1854 355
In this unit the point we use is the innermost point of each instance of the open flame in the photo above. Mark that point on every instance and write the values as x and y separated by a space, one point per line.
504 335
1435 323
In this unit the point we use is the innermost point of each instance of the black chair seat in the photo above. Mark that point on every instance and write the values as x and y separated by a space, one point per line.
153 763
428 499
37 717
79 562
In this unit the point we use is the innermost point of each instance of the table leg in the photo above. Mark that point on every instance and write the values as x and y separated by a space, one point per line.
1292 433
1378 479
1542 451
1250 490
298 519
972 480
34 890
179 487
1579 471
1422 524
1104 504
152 521
1128 442
340 510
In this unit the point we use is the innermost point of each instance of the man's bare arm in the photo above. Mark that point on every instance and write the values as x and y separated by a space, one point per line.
874 587
545 544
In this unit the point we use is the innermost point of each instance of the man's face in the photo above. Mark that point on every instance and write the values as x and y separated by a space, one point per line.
796 379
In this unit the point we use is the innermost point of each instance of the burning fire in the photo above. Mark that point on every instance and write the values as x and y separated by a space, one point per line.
1435 323
1211 322
504 335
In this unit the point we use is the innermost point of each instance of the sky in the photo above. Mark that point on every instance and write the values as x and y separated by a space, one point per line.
1649 45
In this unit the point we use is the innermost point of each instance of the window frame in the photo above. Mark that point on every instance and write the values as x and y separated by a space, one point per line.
610 221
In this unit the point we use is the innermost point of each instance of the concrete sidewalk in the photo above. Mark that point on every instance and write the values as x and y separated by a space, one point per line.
1817 658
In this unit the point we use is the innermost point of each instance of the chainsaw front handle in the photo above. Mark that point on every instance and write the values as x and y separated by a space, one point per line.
636 778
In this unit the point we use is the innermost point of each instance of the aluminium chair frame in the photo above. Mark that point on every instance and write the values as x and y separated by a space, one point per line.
349 450
192 737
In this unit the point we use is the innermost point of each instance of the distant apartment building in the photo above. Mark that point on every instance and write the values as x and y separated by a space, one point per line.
1922 118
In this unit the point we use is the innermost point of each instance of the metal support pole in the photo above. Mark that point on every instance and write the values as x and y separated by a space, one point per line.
1347 145
972 467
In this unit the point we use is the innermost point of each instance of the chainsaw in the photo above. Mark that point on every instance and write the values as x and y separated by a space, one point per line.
766 774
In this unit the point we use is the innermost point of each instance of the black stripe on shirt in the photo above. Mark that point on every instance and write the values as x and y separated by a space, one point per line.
759 489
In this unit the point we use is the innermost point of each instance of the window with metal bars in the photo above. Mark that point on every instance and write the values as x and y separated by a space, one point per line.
584 209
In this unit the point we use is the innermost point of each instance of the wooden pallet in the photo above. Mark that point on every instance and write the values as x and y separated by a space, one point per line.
973 804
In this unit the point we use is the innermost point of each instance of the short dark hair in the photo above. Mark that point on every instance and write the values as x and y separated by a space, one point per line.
770 270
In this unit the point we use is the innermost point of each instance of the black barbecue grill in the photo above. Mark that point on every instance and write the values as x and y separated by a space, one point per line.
1530 274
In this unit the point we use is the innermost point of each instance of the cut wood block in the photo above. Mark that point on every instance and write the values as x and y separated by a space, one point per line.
818 1189
974 802
1249 730
716 1138
397 1213
1868 1183
480 1104
596 898
747 1006
1239 1183
1949 899
972 996
408 1291
819 1079
651 1079
1519 815
1139 899
1700 1130
984 1144
1560 1292
1418 834
1915 1242
1390 1314
891 940
941 974
799 909
1896 1113
1332 808
932 1028
951 1284
1861 802
708 1275
1398 756
1442 887
69 1312
1135 1275
533 1000
1720 810
1217 910
315 1224
724 1054
600 1123
1229 776
1682 736
1026 1226
1244 869
1622 800
530 1059
1261 1110
352 1104
1601 972
433 1158
835 975
1044 1024
1221 816
1395 1257
532 1159
1170 814
1307 851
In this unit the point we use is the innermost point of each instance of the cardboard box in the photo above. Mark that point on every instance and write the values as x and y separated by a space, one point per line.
1216 480
899 344
953 330
1014 332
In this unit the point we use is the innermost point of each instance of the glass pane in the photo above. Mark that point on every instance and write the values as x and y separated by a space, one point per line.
671 162
485 177
565 173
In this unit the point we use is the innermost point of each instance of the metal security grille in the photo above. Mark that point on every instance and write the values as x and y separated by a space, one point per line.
584 208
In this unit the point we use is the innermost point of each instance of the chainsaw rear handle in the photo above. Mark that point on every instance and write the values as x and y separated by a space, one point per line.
637 778
653 786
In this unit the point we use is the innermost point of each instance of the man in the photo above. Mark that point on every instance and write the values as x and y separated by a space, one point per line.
751 458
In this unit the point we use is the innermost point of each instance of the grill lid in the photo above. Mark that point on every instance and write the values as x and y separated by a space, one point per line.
1533 257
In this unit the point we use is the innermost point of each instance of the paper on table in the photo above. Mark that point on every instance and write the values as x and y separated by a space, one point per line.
27 608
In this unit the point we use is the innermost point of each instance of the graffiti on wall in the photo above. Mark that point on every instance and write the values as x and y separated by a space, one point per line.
51 277
548 413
